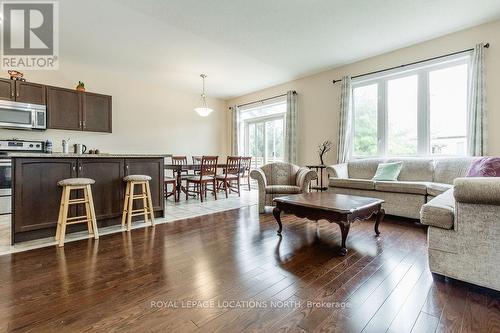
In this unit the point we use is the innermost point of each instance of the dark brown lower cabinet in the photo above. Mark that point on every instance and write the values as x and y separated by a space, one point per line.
36 195
153 168
108 190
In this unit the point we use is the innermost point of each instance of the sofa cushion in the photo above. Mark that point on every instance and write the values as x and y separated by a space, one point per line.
446 170
440 211
485 167
436 189
415 169
402 187
363 169
362 184
282 189
388 171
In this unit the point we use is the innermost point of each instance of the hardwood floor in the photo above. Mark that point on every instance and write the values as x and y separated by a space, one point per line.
249 279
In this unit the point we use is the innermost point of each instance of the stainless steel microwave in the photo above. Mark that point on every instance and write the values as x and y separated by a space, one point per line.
16 115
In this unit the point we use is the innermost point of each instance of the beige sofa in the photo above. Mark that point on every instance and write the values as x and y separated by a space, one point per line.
464 231
420 180
463 214
278 179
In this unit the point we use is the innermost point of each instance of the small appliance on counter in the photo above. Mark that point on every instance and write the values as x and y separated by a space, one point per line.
6 167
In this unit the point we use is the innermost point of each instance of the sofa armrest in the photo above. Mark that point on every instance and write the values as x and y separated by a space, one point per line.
260 177
480 190
337 171
304 177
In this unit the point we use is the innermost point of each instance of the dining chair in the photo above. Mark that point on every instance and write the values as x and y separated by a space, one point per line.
246 164
171 181
196 160
208 172
231 175
180 160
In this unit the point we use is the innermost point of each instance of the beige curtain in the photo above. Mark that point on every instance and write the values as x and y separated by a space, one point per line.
235 135
477 122
292 116
345 121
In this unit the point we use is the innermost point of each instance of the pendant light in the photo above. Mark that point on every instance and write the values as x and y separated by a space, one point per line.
203 110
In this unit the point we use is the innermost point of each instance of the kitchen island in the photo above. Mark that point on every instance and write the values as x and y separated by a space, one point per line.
36 195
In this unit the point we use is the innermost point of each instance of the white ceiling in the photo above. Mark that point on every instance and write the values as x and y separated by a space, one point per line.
246 45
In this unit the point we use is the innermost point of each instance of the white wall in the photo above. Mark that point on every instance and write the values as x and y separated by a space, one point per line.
147 117
318 98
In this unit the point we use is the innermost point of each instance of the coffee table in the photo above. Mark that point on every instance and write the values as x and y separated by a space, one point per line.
335 208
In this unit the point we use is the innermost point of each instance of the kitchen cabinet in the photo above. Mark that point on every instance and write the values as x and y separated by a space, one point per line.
7 89
27 92
67 109
153 168
21 91
36 195
63 109
108 190
80 111
96 112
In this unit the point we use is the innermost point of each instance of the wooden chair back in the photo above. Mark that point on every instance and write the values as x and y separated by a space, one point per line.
233 165
208 166
246 162
179 160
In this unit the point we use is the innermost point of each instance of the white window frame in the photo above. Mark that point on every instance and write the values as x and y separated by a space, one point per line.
244 144
262 120
423 101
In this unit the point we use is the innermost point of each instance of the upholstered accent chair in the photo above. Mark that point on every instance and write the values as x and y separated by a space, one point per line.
279 179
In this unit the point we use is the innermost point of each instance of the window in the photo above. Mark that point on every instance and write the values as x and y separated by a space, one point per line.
262 127
411 112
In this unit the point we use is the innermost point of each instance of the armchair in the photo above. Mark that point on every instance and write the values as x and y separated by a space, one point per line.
278 179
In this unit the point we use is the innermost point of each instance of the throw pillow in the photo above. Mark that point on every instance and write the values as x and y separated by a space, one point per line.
485 167
388 171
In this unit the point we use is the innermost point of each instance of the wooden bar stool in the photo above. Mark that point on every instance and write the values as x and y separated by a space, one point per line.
69 185
145 196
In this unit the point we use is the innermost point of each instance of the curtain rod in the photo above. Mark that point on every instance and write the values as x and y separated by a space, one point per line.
487 45
265 99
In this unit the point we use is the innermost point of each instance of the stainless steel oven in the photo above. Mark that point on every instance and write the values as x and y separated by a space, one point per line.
5 186
26 116
6 168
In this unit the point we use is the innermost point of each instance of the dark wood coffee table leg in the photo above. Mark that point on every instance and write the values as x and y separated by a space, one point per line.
380 218
277 213
344 229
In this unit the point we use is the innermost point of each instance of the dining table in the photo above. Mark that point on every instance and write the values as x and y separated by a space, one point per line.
178 170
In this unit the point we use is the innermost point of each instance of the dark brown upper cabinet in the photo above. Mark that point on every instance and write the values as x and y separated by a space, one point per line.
28 92
96 112
63 109
69 109
20 91
7 89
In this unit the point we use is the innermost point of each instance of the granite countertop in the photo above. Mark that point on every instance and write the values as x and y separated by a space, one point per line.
72 155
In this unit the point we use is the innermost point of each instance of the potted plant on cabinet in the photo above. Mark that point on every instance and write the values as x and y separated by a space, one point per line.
80 86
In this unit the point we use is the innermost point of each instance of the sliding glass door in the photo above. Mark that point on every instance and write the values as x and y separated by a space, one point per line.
264 140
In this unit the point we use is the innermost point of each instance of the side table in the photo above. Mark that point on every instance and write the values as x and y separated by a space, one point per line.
319 181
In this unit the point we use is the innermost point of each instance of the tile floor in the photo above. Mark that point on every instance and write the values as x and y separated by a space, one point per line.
174 211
